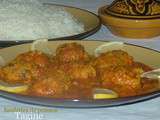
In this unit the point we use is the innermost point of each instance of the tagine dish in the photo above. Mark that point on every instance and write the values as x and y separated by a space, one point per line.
73 73
128 18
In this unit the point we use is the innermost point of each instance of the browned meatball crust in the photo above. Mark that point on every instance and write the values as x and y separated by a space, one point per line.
84 79
113 58
25 67
55 84
71 52
125 80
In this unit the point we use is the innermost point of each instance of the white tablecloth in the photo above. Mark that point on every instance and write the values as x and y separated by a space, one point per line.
148 110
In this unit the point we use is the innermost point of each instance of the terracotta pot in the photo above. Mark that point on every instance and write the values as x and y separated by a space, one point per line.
132 18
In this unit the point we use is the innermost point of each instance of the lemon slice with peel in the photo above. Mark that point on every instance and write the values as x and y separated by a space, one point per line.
109 46
104 94
13 88
41 45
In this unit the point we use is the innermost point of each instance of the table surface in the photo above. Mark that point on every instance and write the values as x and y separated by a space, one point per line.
148 110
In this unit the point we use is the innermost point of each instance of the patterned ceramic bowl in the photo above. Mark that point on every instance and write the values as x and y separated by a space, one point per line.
132 18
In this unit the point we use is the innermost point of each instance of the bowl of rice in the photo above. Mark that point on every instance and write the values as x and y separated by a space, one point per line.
27 20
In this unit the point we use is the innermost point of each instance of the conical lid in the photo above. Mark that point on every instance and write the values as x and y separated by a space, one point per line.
134 8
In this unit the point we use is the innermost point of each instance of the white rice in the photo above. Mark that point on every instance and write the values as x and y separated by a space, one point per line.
30 19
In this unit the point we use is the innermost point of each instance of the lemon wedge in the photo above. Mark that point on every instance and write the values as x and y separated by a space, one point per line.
13 89
109 46
41 45
104 94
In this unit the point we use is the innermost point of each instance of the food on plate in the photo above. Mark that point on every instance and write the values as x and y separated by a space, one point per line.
13 89
25 67
112 58
72 73
71 52
41 45
109 46
54 83
31 19
84 78
104 94
125 80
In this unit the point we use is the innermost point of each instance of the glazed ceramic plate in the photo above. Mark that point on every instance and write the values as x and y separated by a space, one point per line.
90 20
141 54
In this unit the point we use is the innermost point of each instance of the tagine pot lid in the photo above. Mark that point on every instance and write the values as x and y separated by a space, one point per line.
134 8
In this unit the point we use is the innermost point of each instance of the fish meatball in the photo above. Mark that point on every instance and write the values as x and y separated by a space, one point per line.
71 52
113 58
24 68
84 79
54 84
125 80
80 72
35 57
